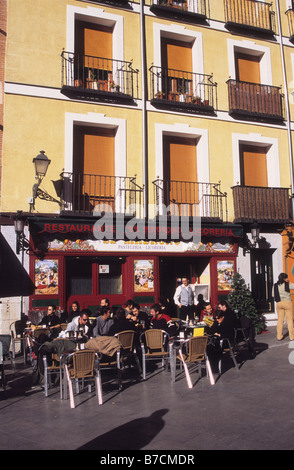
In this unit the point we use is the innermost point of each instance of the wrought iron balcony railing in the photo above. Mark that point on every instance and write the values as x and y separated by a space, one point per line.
191 199
252 99
253 203
250 14
98 76
185 89
197 8
81 193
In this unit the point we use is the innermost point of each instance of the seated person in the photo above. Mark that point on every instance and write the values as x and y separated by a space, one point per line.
129 308
139 318
207 312
78 324
104 302
162 321
74 311
166 306
228 313
200 307
51 321
104 322
120 323
222 328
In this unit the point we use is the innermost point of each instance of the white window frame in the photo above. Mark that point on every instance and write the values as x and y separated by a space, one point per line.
272 156
96 120
251 48
183 130
96 16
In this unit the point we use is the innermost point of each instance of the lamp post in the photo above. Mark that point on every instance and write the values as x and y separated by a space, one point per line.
41 162
255 232
19 224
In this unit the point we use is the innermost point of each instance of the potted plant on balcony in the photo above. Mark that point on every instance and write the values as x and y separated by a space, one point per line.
159 95
92 80
182 95
196 100
114 88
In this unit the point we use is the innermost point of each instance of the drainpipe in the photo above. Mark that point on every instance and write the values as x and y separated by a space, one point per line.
144 112
288 118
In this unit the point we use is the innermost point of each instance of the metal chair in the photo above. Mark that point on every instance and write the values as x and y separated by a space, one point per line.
245 334
84 367
5 341
226 348
17 337
154 348
54 368
126 338
31 340
193 350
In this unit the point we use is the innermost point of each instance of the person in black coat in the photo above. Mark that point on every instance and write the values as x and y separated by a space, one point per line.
120 323
222 328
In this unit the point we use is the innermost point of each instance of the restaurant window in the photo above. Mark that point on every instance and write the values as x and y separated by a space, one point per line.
110 278
79 277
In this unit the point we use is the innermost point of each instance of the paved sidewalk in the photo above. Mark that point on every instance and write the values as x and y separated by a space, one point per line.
246 409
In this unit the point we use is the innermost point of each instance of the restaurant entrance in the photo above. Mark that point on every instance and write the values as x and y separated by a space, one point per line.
172 269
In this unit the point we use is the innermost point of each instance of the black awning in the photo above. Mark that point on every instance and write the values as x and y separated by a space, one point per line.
14 279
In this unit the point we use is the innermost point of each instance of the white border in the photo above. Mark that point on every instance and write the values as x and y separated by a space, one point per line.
250 47
97 120
97 16
272 156
183 130
182 34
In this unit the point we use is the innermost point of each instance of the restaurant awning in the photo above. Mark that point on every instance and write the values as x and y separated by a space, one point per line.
14 279
61 227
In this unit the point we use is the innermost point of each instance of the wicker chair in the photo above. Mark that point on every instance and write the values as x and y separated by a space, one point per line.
126 338
84 367
154 348
193 350
52 369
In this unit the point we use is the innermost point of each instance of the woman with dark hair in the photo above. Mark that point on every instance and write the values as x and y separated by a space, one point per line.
282 296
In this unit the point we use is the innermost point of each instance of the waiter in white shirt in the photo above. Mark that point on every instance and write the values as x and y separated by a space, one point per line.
184 298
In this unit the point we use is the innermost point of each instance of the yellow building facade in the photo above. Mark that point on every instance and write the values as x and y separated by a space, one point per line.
149 109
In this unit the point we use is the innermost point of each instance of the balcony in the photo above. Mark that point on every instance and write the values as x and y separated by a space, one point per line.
251 15
97 78
290 16
81 193
267 205
253 100
195 10
184 91
192 199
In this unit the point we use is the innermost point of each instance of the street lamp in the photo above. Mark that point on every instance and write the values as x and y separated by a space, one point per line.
41 163
21 242
255 232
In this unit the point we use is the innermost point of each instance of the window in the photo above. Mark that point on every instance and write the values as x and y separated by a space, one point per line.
110 278
253 163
